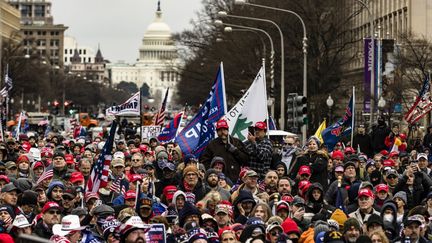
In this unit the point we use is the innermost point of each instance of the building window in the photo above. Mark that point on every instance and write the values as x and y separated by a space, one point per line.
39 11
54 42
84 51
26 10
41 42
65 51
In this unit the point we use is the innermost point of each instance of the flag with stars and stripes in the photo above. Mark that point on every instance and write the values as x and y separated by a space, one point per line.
8 86
160 116
117 186
47 174
99 174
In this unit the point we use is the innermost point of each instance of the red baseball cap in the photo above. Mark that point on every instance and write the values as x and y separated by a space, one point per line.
130 195
282 205
381 187
38 164
143 148
349 150
69 159
134 177
261 125
26 146
389 163
169 192
384 152
366 192
221 124
337 155
91 195
5 178
288 198
394 153
50 205
304 169
76 176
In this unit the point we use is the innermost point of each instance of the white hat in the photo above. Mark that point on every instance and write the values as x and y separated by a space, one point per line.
69 223
20 222
36 154
119 154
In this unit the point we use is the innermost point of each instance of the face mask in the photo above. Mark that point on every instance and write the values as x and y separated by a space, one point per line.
388 217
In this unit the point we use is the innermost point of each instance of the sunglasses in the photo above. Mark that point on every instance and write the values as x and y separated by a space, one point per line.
391 177
275 233
54 212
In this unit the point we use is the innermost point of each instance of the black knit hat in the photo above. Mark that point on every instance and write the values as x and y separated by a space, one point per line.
28 198
188 209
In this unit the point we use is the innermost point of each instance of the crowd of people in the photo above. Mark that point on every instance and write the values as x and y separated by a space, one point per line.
374 190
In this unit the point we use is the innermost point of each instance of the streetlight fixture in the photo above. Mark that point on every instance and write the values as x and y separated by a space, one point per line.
381 104
229 28
305 46
224 14
330 103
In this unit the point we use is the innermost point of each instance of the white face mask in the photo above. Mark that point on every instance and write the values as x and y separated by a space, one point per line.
388 217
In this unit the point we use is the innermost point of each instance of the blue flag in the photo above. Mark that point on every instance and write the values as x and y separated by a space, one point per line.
194 138
339 200
271 123
169 132
332 134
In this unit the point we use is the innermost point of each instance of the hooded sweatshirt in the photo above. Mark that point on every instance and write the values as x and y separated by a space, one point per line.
174 199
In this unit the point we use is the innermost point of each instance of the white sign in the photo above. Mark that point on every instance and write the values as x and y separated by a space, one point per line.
130 108
150 131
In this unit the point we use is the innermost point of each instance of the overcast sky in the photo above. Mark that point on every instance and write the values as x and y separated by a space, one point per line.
119 25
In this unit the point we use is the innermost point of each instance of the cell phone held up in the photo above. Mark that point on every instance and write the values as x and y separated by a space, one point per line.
251 130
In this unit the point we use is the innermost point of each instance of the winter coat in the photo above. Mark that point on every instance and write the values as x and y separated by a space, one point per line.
427 139
261 155
242 196
42 230
316 206
199 190
379 133
317 161
331 193
363 141
233 161
421 187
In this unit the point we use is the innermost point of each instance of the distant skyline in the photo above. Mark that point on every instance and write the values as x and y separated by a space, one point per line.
119 26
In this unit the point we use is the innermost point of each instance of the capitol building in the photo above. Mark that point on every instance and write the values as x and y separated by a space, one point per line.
157 64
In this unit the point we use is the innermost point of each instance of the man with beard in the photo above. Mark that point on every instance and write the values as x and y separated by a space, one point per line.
351 230
270 182
55 191
284 187
50 216
69 196
192 185
60 168
212 184
231 149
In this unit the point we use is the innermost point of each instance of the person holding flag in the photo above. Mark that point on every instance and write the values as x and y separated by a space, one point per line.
231 149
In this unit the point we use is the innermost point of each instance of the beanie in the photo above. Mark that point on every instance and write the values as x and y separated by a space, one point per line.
290 226
190 168
320 226
319 238
52 185
209 172
339 216
351 222
28 198
402 195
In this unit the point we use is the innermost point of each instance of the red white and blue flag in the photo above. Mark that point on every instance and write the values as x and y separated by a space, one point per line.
160 116
422 105
332 134
8 86
99 174
169 132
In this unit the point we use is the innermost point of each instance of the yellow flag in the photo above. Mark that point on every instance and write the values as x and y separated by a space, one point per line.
320 130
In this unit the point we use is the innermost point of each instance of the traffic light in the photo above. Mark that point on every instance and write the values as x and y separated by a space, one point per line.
301 110
290 111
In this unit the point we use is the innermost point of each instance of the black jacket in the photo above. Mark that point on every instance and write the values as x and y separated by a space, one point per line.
379 133
233 161
318 163
421 187
363 141
42 230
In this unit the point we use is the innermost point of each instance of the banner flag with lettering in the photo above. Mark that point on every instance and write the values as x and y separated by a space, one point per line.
251 108
422 104
332 134
194 138
169 132
129 108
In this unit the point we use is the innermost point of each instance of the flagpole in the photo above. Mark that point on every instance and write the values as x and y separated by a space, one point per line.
353 117
140 111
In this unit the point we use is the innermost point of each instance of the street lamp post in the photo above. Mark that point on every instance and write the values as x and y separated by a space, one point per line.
381 104
305 39
330 103
247 28
282 120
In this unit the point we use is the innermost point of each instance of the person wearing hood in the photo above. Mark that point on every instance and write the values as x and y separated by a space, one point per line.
315 201
179 200
243 205
189 213
379 134
231 149
55 191
389 218
316 159
400 199
281 170
211 179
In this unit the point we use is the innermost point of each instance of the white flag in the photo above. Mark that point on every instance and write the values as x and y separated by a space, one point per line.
130 108
251 108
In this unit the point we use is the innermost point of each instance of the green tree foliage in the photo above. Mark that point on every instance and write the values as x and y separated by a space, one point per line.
130 87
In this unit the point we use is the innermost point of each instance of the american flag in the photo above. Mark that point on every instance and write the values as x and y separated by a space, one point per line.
99 174
115 186
48 173
8 86
160 116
